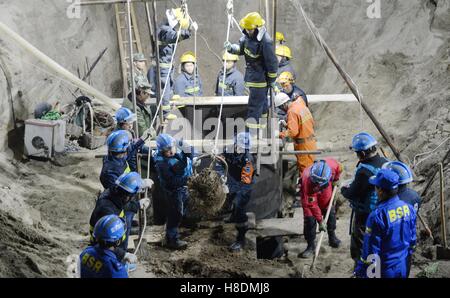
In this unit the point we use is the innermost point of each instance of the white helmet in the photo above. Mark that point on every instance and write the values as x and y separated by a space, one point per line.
281 98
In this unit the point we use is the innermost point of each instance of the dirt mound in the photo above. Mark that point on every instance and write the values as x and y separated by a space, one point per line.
27 252
206 195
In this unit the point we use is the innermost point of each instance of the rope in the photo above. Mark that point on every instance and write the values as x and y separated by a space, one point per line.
427 153
143 230
230 17
307 20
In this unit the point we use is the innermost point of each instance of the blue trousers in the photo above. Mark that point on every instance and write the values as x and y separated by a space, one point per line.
177 202
257 103
240 193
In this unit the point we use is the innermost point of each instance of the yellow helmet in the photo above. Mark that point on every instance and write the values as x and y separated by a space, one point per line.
188 57
285 77
229 57
252 21
283 51
181 18
279 37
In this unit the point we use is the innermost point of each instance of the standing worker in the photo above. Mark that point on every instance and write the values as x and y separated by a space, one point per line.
240 182
279 38
316 191
188 83
99 260
144 114
390 237
362 195
300 128
406 194
284 56
140 70
173 164
234 80
177 19
261 65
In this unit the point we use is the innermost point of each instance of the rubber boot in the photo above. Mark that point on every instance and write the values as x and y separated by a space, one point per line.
309 251
240 240
176 244
310 236
333 241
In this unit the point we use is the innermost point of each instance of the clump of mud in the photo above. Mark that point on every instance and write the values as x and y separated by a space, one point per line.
206 194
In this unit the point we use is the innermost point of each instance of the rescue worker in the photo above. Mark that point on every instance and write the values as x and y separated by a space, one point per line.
300 128
167 34
261 65
284 55
359 192
115 200
390 237
406 194
143 114
279 38
140 70
318 181
99 260
188 83
288 86
173 162
234 80
240 181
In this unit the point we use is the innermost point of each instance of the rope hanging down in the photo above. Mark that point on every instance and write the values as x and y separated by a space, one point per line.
230 17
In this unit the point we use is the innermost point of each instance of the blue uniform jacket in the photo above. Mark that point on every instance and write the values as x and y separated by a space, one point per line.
96 262
113 167
285 65
261 61
184 85
234 83
173 172
409 196
391 235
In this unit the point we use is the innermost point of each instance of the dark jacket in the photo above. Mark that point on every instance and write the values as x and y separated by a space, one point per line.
285 65
234 83
261 61
173 172
185 85
409 196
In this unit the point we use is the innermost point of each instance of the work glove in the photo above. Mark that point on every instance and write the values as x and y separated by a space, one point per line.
144 203
335 183
282 123
322 227
196 162
149 133
185 147
226 190
130 258
194 26
228 46
147 183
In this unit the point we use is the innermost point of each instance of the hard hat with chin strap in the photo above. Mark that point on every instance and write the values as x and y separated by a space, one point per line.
130 182
118 141
279 37
281 98
285 77
283 51
110 229
363 141
252 21
165 142
320 173
124 115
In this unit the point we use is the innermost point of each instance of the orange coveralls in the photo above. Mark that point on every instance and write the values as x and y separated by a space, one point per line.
300 128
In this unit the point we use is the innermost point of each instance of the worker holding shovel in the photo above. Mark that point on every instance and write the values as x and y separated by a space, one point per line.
316 193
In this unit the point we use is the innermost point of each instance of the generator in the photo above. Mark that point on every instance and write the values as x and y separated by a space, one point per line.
44 138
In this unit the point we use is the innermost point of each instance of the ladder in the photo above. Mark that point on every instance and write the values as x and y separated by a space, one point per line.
122 38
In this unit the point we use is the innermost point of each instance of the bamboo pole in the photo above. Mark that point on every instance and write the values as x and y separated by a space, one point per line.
56 67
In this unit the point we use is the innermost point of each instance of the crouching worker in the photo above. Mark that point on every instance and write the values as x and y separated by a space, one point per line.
390 237
173 162
316 191
99 260
240 180
118 199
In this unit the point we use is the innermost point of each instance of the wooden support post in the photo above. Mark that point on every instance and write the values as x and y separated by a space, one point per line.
442 198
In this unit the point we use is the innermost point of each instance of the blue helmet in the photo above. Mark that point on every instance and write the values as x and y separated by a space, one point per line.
130 182
362 142
118 141
125 115
320 173
164 142
109 229
244 140
402 170
385 179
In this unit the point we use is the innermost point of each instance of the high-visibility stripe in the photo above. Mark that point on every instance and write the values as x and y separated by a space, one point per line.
272 74
247 51
256 85
192 89
224 86
255 126
165 107
164 65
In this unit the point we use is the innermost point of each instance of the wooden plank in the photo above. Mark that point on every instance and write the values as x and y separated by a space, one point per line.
135 28
121 49
243 100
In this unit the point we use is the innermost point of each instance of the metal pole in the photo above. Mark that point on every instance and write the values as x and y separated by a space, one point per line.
158 67
133 83
442 197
